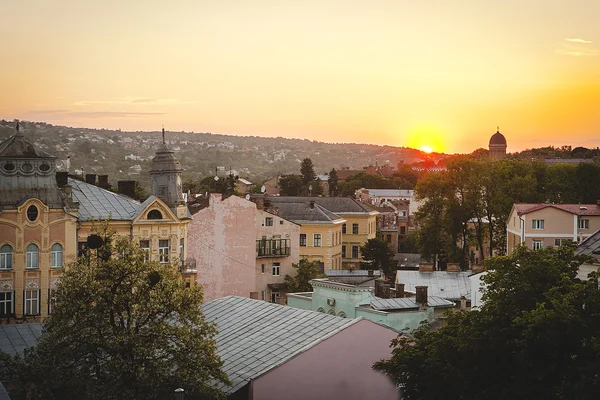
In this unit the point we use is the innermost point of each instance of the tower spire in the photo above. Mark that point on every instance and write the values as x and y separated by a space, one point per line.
18 128
163 134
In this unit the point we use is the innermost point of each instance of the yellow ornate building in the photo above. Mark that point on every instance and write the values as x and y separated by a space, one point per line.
46 218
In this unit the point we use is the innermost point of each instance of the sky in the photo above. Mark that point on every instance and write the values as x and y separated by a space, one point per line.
431 73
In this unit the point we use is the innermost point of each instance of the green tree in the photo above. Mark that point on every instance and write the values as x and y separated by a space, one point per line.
378 255
305 271
122 328
307 172
332 181
537 336
290 185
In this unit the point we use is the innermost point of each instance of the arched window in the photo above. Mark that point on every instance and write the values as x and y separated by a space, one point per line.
31 256
56 253
320 310
342 314
32 213
6 256
155 214
331 312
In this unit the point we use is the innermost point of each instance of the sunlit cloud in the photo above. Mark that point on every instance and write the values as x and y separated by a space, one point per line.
132 101
577 40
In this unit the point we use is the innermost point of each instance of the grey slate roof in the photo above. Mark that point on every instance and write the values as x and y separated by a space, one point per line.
98 203
590 246
350 272
3 394
337 205
15 338
302 212
447 285
17 146
380 304
255 336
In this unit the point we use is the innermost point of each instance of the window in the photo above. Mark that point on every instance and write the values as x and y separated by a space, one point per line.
181 250
155 214
355 229
275 269
163 251
6 256
354 251
6 304
388 237
537 244
32 302
317 240
56 256
145 245
343 229
343 251
262 295
303 239
269 221
583 224
274 297
262 269
402 230
537 224
32 213
31 256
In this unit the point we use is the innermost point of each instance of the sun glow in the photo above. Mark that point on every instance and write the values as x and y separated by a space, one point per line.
426 149
425 137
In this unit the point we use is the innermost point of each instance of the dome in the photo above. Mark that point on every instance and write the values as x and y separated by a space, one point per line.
497 139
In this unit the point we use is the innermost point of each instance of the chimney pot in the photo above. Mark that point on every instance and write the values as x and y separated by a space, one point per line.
370 272
399 290
127 188
103 181
62 178
452 267
90 178
421 296
254 295
312 204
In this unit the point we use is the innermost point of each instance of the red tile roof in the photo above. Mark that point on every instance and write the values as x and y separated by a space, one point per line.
577 209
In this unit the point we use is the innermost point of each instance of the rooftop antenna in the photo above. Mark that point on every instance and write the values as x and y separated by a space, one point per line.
163 134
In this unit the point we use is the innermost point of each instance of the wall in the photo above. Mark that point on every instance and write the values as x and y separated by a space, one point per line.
330 252
222 239
400 321
367 229
339 367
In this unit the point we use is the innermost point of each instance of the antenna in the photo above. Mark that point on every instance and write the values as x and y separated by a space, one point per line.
163 134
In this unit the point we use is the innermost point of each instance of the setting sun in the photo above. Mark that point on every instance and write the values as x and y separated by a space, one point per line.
426 137
426 149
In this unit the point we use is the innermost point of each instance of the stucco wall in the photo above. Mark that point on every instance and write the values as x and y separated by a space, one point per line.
222 239
400 321
337 368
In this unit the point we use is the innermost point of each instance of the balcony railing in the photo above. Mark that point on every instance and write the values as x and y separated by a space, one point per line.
273 248
188 265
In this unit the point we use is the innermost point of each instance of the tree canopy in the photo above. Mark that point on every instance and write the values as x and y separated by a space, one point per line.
305 271
121 328
332 182
378 255
537 336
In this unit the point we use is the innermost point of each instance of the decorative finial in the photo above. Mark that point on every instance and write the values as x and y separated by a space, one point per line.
497 129
18 127
163 132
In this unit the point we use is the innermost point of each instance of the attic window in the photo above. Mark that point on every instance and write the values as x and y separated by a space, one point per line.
44 168
9 167
155 214
32 213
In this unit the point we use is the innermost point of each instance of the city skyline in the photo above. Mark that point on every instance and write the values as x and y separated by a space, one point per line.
432 74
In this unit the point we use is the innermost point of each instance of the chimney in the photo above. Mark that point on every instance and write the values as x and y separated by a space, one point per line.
127 188
452 267
90 178
68 191
312 204
477 268
282 300
421 296
370 272
425 267
62 178
260 203
254 295
399 290
103 181
463 302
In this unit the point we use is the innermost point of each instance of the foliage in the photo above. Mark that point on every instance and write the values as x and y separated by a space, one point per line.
307 172
332 182
537 336
290 185
121 328
378 255
305 271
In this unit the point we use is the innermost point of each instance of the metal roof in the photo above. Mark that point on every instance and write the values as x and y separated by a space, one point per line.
447 285
97 203
407 303
337 205
390 192
15 338
351 272
301 212
590 246
255 336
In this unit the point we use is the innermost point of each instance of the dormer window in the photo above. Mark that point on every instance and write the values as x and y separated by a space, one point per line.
9 167
32 213
155 214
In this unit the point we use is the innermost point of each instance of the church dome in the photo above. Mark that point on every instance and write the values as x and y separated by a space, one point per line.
497 139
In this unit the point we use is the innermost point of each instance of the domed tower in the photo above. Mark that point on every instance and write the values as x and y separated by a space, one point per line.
497 145
166 176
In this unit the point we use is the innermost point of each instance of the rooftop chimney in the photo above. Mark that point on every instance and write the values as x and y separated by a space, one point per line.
425 267
90 178
312 204
103 181
254 295
421 296
370 272
127 188
62 178
399 290
452 267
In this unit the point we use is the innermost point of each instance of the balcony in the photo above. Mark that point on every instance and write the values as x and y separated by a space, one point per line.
188 266
272 248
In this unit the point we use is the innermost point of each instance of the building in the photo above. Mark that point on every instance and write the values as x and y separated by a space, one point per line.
541 225
385 197
453 286
243 186
46 218
497 145
354 301
271 351
358 224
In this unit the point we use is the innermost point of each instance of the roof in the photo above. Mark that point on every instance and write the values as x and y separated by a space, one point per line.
98 203
338 205
255 336
15 338
17 146
497 139
447 285
389 192
577 209
590 246
244 181
351 272
404 303
302 212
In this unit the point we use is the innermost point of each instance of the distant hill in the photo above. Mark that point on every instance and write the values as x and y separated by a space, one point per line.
127 155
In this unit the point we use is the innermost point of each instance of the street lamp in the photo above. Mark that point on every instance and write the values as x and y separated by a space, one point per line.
179 394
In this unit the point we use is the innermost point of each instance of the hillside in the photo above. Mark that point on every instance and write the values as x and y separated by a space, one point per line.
127 155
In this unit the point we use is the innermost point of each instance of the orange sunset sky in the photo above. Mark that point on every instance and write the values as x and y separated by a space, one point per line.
436 73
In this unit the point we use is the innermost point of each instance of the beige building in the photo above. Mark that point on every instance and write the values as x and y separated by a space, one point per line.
46 218
541 225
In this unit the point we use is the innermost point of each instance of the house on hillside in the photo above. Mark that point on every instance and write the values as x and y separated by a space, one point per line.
271 351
